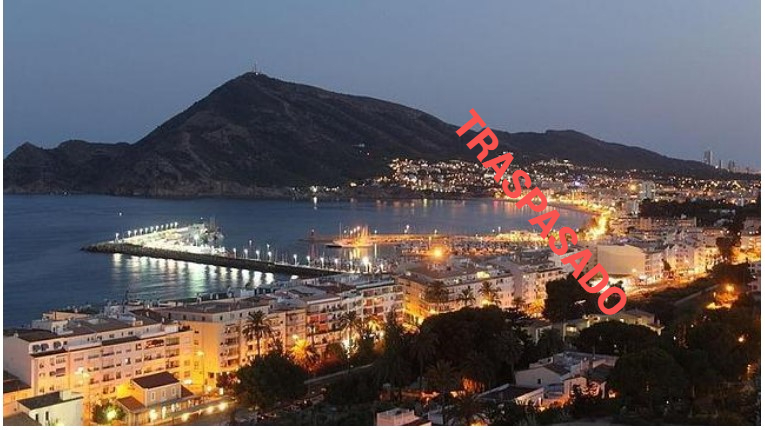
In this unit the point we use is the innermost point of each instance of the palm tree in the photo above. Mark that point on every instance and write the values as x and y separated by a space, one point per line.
392 366
351 322
467 410
509 347
467 297
256 327
490 294
443 378
374 323
424 349
437 293
304 353
478 369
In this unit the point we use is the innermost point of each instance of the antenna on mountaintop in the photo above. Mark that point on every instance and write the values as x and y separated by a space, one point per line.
255 68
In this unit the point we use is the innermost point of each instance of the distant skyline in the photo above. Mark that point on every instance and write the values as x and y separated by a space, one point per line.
675 77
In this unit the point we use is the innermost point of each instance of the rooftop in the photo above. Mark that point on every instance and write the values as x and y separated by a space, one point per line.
155 380
31 334
219 306
11 383
19 419
507 392
46 400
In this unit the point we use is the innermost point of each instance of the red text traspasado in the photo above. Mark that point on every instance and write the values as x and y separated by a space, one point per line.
547 220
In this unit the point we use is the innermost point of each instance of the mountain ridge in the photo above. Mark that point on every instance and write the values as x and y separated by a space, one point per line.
255 133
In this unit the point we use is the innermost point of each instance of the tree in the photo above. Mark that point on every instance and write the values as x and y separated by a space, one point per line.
365 347
436 292
350 323
649 377
478 371
424 349
392 366
467 297
615 338
269 379
567 300
304 354
490 294
509 348
256 327
467 410
482 330
107 413
550 343
442 377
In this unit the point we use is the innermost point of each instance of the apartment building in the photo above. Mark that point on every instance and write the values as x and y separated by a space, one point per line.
98 356
220 342
419 304
326 300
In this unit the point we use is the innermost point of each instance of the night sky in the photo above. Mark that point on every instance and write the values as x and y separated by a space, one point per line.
675 76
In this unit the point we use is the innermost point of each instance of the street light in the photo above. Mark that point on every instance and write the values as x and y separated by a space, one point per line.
294 256
257 254
269 255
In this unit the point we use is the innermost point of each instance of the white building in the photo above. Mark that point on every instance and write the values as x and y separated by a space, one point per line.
642 263
61 408
560 373
400 417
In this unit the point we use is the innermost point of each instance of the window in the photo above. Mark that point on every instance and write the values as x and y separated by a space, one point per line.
152 396
539 382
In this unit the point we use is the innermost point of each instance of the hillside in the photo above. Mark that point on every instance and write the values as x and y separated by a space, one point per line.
255 134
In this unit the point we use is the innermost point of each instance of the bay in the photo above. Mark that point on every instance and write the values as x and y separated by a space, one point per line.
44 268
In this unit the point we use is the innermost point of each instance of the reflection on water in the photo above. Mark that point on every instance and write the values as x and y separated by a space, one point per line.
154 278
44 267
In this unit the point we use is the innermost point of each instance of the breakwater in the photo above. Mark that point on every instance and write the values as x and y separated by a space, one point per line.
213 260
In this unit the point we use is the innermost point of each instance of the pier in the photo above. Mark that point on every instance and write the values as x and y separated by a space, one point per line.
210 259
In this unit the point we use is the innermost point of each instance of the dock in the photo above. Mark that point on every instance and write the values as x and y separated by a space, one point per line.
209 259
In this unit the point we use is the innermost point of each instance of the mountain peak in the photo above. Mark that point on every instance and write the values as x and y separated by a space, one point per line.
255 132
